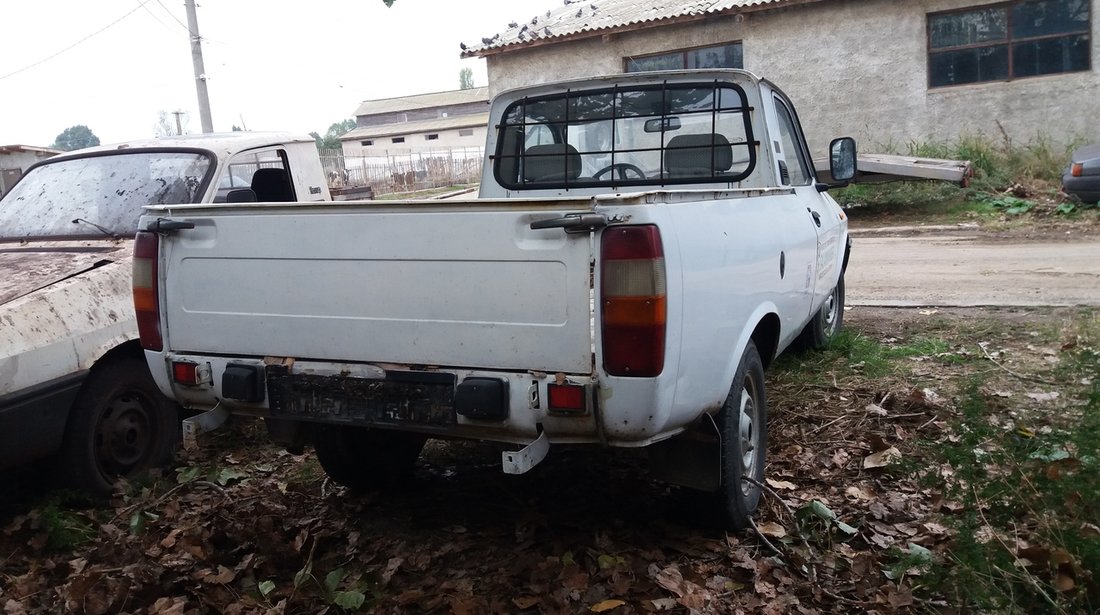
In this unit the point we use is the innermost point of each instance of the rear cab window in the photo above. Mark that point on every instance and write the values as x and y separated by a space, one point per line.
648 135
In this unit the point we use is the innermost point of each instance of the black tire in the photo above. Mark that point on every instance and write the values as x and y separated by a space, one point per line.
365 459
743 424
120 426
827 322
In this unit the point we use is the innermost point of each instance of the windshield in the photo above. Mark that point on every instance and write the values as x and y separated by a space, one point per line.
645 135
77 195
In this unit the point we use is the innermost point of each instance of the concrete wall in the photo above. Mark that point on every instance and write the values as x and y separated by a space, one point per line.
20 161
852 67
418 142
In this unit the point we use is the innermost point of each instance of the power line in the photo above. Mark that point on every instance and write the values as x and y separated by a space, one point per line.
173 16
54 55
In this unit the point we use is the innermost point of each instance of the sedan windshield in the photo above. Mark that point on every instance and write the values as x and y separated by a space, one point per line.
101 194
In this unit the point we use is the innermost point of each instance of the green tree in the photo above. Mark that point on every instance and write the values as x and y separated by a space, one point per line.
75 137
331 139
466 78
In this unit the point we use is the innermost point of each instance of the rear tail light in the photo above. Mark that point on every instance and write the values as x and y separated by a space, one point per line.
1077 169
633 302
146 299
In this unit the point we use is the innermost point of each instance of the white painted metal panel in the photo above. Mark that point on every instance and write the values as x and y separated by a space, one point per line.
468 286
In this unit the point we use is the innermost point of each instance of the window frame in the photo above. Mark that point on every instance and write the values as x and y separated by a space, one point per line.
798 142
397 140
1009 42
684 56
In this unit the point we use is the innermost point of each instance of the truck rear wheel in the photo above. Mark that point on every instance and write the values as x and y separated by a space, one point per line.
826 323
120 425
743 426
365 459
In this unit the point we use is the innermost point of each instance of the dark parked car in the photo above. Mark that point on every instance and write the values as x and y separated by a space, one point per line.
1082 177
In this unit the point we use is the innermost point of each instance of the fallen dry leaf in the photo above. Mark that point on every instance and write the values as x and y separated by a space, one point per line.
606 605
772 529
1044 397
781 484
881 459
524 602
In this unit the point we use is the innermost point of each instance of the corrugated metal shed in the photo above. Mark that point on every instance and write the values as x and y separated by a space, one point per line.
584 18
478 120
422 101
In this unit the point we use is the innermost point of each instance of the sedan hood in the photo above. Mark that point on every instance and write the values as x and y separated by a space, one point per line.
25 268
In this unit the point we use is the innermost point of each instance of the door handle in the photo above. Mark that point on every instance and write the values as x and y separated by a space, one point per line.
164 226
817 216
573 223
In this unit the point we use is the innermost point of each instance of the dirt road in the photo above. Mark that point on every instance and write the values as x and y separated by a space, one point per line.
972 269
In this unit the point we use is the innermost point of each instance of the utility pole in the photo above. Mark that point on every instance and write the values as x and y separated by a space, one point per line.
179 126
200 71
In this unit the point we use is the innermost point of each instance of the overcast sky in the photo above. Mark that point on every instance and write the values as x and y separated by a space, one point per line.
296 65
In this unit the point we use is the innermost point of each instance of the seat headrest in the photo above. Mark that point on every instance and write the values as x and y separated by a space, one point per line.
272 186
698 155
553 162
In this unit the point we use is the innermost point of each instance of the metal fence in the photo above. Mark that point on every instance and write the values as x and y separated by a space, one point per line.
404 171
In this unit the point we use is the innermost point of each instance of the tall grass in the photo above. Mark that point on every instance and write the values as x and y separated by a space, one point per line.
1030 170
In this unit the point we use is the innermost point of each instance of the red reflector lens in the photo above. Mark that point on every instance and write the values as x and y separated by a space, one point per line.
185 373
566 396
1077 170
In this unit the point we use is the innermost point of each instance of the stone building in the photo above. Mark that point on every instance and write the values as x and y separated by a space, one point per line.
888 72
424 122
16 159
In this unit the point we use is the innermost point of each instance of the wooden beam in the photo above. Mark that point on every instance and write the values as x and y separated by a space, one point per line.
875 168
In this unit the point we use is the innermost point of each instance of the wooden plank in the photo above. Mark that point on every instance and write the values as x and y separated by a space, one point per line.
874 168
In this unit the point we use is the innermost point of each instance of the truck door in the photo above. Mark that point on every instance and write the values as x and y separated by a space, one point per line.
795 171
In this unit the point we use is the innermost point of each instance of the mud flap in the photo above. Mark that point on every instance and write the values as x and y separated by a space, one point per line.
200 423
691 459
521 461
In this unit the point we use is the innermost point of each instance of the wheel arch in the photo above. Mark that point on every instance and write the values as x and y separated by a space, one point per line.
766 337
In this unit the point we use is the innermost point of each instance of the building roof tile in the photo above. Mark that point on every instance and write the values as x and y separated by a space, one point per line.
422 101
582 18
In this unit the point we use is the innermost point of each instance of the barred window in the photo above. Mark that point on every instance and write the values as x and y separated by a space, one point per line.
1007 41
643 135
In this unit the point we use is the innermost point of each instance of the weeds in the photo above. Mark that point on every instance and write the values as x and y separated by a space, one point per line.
1029 539
1009 180
64 527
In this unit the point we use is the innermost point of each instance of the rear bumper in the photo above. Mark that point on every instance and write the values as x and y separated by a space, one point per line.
325 392
1086 188
32 421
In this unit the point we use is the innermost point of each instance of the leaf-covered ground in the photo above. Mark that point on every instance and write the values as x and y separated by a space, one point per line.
863 510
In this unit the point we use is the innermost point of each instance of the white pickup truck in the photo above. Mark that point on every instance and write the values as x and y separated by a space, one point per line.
642 247
73 381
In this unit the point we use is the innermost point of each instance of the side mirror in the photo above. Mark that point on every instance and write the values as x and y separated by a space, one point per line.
842 159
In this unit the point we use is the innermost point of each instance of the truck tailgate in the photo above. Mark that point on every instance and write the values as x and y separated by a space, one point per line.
468 286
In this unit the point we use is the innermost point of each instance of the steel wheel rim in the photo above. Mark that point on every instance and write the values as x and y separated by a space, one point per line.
124 433
746 433
829 311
